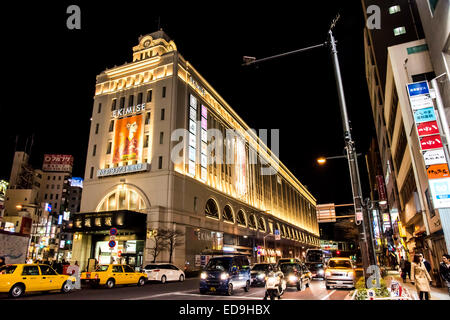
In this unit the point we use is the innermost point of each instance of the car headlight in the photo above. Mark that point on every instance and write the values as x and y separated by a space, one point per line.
351 274
261 276
327 273
203 275
224 276
320 272
293 278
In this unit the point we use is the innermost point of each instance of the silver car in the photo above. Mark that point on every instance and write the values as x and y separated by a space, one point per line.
340 273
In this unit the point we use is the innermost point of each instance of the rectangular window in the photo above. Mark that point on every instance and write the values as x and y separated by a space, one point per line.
45 196
162 114
95 150
164 92
394 9
122 102
91 175
99 107
51 196
399 31
147 118
147 137
149 96
160 162
161 137
130 100
111 126
96 128
56 196
113 105
56 205
108 151
139 100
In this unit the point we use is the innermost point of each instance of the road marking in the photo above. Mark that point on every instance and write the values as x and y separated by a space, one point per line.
328 295
156 295
202 295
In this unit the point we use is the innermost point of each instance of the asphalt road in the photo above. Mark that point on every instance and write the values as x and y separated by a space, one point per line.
187 290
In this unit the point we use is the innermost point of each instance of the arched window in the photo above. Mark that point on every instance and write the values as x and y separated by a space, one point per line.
252 221
261 224
279 229
284 234
211 209
227 214
121 199
241 218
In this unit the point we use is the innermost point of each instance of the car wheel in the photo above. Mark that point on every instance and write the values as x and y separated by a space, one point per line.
66 287
247 286
110 283
163 279
141 282
328 287
308 283
181 278
17 290
230 290
299 286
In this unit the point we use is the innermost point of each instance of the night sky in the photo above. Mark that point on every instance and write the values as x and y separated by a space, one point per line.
50 87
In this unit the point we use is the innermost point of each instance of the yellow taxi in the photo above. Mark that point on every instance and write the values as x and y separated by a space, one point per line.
112 274
15 279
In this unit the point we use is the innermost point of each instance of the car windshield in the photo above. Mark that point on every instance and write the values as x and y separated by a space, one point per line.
101 268
218 265
315 266
260 267
345 264
289 268
7 269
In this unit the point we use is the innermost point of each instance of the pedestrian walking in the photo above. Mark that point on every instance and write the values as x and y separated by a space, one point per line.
426 263
74 270
403 268
408 269
444 270
420 277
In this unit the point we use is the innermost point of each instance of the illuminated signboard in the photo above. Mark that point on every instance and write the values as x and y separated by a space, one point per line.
203 156
192 135
66 215
128 139
123 169
76 182
57 162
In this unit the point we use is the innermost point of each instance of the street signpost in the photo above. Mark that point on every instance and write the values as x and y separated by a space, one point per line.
112 240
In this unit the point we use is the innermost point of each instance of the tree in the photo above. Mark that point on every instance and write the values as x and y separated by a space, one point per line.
173 238
159 241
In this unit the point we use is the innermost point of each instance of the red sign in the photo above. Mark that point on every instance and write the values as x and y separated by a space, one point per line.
427 128
113 231
431 142
58 162
381 188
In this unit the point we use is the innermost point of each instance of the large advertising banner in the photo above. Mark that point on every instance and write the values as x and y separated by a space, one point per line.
128 139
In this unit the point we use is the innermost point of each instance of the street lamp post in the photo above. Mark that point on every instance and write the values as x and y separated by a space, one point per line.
364 228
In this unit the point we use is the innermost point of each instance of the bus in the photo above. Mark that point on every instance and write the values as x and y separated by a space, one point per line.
318 256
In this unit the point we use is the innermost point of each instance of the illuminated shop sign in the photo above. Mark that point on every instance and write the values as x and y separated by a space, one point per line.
128 110
76 182
57 162
123 169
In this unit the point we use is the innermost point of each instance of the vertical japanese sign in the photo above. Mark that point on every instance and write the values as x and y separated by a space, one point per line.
203 155
430 143
192 135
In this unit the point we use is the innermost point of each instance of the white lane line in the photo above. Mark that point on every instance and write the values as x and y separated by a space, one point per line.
328 295
156 295
202 295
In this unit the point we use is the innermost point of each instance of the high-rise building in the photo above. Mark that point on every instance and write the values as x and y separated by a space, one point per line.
398 54
143 175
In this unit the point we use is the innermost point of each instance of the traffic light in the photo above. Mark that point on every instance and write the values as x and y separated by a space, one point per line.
338 252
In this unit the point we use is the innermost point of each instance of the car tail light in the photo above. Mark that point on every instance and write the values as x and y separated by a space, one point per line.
96 276
157 270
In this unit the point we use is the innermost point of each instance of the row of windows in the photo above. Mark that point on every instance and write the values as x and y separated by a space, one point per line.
53 186
140 96
50 196
54 178
252 221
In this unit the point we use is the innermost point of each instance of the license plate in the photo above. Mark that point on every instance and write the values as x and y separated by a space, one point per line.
212 289
339 282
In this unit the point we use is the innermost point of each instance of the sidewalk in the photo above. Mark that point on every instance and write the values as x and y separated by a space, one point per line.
436 293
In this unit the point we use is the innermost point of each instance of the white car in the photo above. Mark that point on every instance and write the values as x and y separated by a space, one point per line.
163 272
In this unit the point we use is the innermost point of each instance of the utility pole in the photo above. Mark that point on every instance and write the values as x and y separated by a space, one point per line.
363 221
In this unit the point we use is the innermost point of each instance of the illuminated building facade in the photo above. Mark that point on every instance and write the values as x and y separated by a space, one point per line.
150 167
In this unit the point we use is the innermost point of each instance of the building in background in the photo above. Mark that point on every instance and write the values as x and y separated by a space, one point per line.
132 184
398 54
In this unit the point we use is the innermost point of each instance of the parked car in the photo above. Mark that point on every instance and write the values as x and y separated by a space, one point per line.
296 275
16 279
163 272
225 274
340 273
259 273
287 260
317 269
111 275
